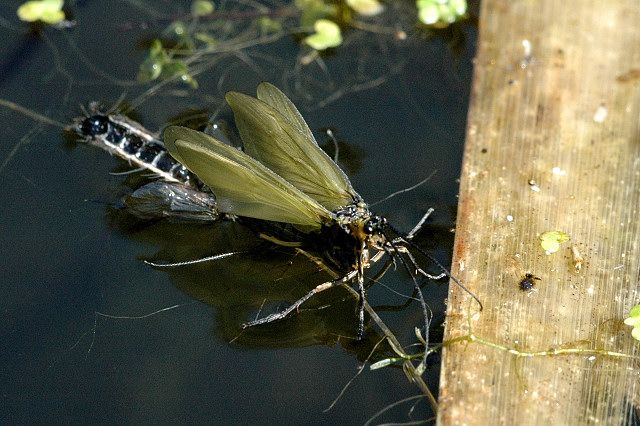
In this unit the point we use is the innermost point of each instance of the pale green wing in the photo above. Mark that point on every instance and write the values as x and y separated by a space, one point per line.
274 133
271 95
242 185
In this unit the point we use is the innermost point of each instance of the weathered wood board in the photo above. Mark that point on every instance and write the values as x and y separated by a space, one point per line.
553 144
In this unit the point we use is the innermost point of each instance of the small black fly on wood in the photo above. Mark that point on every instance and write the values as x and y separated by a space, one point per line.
528 282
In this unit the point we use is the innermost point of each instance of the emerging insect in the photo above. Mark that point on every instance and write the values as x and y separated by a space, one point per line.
285 177
176 193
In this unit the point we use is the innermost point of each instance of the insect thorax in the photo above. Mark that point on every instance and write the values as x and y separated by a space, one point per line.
357 219
349 237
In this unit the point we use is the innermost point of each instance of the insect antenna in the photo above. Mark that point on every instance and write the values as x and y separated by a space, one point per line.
418 226
31 114
116 106
336 146
438 264
401 191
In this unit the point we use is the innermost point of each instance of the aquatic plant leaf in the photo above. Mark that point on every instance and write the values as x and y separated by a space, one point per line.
48 11
396 349
634 321
202 7
268 25
550 241
180 70
242 185
274 133
441 13
151 67
428 12
327 34
160 65
149 70
458 6
366 7
206 38
635 312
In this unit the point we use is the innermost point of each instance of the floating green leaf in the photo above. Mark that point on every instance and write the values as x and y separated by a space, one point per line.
634 317
47 11
160 65
202 7
327 35
179 69
550 241
151 67
428 12
634 321
366 7
205 38
268 25
441 13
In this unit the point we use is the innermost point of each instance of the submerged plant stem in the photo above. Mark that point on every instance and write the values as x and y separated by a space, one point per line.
407 365
530 354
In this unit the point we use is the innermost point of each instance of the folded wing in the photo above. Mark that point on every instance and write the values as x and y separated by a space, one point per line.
243 186
274 133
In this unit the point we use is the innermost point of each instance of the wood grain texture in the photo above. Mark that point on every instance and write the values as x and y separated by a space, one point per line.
541 118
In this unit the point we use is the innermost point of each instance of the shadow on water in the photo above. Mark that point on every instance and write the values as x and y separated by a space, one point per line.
260 279
263 278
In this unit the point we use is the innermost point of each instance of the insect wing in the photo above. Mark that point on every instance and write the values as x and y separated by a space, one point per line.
242 185
274 133
172 200
271 95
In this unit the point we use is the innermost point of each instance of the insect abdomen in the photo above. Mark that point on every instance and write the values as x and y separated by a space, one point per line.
138 146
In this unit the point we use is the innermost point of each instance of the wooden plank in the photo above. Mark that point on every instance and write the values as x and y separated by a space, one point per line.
553 143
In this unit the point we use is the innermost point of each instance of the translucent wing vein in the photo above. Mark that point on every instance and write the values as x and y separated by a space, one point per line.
243 186
274 133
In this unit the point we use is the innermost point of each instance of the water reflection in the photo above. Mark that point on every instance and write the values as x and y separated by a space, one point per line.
263 278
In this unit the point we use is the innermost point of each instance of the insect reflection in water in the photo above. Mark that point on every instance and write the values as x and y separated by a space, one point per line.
303 199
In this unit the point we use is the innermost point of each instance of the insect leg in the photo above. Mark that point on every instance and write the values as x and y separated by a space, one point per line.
283 314
361 293
439 265
417 228
419 270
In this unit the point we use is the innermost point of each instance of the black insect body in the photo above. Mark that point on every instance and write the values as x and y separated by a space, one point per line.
528 282
283 176
176 192
128 140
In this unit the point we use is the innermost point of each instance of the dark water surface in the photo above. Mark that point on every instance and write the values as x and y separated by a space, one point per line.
92 334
